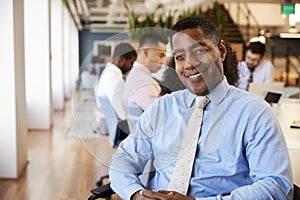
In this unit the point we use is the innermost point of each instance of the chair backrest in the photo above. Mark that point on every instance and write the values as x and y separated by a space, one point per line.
111 118
133 112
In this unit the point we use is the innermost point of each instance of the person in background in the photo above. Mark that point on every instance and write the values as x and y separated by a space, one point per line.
89 77
254 69
230 66
140 87
111 82
239 152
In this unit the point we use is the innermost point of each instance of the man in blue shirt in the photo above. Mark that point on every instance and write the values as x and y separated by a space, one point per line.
241 152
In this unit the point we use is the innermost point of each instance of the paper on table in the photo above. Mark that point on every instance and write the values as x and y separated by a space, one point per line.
293 144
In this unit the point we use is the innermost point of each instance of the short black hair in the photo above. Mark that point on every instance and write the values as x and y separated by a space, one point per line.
208 27
152 38
257 47
124 50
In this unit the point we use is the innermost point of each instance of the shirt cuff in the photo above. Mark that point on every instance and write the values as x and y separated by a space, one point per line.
207 198
130 190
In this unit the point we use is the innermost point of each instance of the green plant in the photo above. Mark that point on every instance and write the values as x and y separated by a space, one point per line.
136 26
166 21
132 17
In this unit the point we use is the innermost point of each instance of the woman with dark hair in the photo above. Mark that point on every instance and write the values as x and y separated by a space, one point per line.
230 65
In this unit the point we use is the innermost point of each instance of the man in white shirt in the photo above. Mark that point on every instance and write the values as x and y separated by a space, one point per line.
140 87
254 69
111 82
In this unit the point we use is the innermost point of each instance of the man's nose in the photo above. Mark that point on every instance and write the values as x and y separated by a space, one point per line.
190 62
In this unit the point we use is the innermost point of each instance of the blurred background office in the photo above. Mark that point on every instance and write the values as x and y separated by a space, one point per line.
54 51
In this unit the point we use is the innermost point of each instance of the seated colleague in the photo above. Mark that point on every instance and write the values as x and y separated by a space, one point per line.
254 69
140 86
241 152
111 82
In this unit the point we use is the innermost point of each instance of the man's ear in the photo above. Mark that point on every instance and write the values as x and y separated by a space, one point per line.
119 61
222 49
146 51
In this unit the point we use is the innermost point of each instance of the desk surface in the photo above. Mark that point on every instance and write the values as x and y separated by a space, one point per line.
286 113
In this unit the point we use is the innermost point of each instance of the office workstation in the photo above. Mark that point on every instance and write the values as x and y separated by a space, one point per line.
96 88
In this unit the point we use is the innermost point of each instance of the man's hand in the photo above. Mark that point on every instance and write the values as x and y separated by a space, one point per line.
159 195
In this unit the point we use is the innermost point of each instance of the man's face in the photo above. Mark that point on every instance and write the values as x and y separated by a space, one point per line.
252 59
155 57
127 65
198 61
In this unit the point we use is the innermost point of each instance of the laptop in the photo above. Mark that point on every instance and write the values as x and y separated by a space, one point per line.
273 96
261 89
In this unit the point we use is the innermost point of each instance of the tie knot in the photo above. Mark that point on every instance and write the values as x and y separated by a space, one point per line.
201 101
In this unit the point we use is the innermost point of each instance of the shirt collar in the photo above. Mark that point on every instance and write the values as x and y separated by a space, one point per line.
136 64
216 95
113 66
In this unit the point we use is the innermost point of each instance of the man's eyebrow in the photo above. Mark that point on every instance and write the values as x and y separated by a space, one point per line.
198 44
177 51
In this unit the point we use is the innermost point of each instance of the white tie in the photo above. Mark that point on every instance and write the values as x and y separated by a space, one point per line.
182 172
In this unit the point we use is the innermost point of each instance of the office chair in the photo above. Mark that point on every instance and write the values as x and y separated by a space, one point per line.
114 124
132 112
118 129
105 191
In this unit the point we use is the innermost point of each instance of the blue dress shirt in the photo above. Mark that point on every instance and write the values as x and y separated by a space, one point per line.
241 151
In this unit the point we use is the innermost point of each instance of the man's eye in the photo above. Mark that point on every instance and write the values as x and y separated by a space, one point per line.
198 52
162 55
179 57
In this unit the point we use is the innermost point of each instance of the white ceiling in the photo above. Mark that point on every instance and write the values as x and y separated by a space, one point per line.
110 15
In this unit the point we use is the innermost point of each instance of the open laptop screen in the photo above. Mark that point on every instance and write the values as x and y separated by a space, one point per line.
273 96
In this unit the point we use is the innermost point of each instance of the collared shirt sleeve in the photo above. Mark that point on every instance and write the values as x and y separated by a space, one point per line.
129 161
271 175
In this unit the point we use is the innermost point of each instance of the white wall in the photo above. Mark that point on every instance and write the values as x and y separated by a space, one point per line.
13 148
267 14
37 60
71 54
57 70
67 65
74 57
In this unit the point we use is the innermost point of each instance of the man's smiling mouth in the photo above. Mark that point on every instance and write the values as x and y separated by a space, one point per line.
197 74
